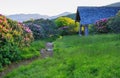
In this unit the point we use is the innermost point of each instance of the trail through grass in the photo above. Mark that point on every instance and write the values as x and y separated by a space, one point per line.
77 57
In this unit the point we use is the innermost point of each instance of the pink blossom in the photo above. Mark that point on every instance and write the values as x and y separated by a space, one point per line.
104 20
27 29
1 21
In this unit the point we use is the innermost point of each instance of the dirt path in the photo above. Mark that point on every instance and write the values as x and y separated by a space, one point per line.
48 51
16 65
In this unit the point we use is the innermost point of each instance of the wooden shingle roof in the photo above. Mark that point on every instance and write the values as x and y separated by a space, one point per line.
89 15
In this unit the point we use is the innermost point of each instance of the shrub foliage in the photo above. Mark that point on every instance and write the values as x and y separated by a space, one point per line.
42 28
114 23
110 25
101 26
66 26
13 35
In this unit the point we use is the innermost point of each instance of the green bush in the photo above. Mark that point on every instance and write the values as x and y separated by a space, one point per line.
66 26
9 53
38 31
42 28
114 24
91 28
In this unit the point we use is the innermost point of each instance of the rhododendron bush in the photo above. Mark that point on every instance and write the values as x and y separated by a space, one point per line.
13 35
101 26
27 35
38 31
42 28
108 25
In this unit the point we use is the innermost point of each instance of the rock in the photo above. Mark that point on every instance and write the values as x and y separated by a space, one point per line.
49 45
43 52
48 51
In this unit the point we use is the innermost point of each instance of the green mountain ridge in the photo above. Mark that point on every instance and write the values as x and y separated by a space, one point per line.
117 4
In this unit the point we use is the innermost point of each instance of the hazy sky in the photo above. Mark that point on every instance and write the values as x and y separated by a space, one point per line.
47 7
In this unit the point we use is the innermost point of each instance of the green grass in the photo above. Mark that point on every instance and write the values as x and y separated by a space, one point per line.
77 57
29 52
33 50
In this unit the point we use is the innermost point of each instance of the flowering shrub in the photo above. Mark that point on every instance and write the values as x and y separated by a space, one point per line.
12 36
38 31
27 30
27 35
42 28
7 52
101 26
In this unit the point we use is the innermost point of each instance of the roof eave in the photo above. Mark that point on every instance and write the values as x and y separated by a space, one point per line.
77 18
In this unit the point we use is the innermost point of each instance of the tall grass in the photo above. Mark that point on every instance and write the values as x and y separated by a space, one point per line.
77 57
33 50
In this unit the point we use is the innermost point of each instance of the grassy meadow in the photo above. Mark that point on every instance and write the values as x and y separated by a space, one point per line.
94 56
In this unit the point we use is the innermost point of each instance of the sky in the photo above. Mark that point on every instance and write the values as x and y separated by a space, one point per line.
47 7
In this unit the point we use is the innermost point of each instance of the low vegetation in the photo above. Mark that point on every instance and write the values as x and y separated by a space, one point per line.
77 57
33 50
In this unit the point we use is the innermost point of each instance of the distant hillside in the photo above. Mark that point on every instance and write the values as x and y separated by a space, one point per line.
25 17
71 16
62 14
114 4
